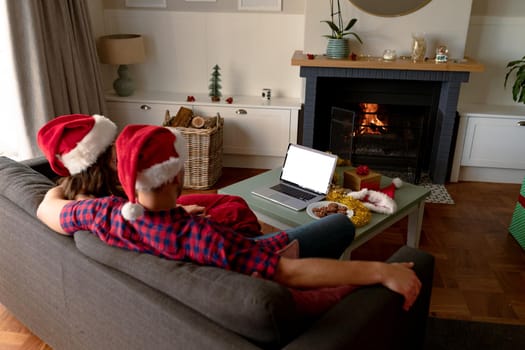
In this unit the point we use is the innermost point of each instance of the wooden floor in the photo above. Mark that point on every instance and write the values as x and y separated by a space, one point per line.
480 268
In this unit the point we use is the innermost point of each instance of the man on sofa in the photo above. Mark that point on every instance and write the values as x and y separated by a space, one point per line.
80 150
150 167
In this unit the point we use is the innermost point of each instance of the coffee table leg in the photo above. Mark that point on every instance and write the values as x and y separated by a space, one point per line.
415 220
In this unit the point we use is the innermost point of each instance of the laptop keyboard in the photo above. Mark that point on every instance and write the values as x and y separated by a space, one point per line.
294 192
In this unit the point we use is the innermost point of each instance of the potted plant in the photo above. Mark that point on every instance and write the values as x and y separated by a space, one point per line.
518 67
338 44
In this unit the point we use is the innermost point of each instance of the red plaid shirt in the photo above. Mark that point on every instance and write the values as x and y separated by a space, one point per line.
174 234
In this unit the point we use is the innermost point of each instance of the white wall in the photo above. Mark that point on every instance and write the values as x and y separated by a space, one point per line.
442 26
184 45
253 50
494 41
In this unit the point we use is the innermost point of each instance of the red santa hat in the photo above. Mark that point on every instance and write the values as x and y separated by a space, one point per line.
148 156
72 143
381 201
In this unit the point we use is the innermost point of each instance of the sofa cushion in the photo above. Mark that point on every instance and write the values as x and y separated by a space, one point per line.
22 185
258 309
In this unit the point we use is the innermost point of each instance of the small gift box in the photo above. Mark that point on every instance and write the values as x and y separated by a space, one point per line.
361 177
517 225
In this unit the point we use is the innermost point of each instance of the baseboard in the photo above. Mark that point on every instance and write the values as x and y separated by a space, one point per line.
498 175
251 161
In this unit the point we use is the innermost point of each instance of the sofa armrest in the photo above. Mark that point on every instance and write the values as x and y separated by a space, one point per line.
22 185
41 165
372 317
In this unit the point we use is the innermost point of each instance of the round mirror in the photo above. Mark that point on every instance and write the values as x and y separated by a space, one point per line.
389 8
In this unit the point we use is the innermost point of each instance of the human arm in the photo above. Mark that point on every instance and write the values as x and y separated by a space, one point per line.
81 196
194 209
318 273
50 208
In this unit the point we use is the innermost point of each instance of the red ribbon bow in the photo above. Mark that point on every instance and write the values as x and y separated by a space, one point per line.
362 170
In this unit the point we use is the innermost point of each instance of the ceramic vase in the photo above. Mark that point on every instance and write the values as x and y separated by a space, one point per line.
124 85
338 48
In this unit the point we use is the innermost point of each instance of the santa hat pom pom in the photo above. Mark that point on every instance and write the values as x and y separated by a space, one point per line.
397 182
132 211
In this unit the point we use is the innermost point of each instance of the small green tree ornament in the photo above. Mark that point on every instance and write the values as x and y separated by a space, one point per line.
215 84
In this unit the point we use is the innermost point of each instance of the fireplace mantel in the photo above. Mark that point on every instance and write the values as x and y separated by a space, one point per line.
450 75
466 65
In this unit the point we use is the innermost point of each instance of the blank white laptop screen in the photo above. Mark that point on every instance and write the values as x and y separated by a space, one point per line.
305 178
308 169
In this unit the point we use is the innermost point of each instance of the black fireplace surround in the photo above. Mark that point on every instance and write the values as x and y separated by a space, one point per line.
391 127
437 90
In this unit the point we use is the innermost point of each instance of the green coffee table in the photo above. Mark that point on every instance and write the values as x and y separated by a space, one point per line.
410 201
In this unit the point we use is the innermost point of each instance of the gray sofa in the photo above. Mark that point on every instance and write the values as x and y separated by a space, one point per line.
77 293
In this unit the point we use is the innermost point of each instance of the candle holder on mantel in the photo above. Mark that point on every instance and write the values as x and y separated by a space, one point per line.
419 47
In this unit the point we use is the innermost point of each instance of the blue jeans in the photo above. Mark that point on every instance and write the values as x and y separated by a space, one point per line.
327 237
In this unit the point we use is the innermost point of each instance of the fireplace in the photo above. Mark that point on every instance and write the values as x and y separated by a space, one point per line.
390 125
404 87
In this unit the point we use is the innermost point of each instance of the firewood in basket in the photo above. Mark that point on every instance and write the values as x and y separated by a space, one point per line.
183 118
198 122
210 123
167 118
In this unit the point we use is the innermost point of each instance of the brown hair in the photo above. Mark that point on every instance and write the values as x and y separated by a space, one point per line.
99 180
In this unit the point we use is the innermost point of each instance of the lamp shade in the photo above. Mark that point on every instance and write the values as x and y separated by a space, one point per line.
121 49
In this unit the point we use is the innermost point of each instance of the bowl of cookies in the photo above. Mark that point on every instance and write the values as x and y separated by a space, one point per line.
321 209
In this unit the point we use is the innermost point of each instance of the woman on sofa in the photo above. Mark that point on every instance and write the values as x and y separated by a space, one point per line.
150 164
79 150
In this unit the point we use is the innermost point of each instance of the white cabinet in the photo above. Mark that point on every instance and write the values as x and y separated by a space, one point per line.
490 144
123 113
494 142
256 132
253 131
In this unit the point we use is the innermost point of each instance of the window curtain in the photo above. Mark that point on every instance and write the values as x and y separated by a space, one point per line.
56 63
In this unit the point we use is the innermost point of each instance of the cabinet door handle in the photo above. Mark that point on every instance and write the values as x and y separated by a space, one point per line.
145 107
241 111
521 123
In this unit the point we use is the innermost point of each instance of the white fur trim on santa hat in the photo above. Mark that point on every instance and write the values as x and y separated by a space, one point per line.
87 151
376 201
360 195
164 172
380 202
397 182
132 211
181 145
159 174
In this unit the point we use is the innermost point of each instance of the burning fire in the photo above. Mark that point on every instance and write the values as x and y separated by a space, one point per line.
370 123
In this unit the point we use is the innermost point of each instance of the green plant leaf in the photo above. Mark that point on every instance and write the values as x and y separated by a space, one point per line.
513 63
334 28
338 31
507 76
355 35
521 97
350 24
516 70
520 74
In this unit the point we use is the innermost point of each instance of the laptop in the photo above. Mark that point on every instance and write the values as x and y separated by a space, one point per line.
305 178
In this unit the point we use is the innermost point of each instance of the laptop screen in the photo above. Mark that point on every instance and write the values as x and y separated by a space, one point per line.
308 168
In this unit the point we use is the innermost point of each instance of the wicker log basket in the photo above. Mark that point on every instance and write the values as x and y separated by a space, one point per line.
204 165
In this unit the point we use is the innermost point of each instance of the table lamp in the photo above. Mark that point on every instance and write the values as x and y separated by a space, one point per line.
122 49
